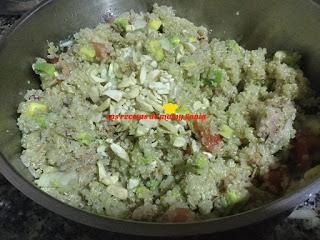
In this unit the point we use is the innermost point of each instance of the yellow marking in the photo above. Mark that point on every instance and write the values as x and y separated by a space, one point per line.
170 108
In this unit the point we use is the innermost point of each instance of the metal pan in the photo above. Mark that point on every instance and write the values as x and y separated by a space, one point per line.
285 24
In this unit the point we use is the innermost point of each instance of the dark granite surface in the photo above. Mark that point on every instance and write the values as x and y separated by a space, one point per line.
22 219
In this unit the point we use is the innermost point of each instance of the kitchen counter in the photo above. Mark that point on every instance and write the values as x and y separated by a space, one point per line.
22 219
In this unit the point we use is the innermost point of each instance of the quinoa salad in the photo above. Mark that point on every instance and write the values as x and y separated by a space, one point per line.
258 139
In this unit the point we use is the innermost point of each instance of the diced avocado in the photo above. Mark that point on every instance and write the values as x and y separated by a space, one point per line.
200 162
44 68
175 41
159 55
193 39
232 198
153 184
120 23
214 77
183 109
142 191
156 50
313 172
84 138
36 107
87 53
155 23
233 45
154 45
41 120
189 65
226 131
176 194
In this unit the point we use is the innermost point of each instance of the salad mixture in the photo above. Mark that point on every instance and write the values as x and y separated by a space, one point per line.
261 121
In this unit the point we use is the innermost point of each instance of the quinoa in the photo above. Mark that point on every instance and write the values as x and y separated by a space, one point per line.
160 169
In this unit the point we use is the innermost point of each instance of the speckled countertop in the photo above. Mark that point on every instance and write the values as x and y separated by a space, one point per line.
22 219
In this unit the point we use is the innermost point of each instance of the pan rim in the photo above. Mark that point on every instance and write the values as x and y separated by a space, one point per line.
242 219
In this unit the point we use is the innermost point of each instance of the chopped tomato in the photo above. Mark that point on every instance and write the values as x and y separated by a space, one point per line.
179 215
277 180
208 140
98 47
305 145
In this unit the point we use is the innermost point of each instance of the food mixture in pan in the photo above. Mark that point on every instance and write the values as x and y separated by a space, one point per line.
261 121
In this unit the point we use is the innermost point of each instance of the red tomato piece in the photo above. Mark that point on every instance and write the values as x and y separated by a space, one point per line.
305 145
208 140
277 180
98 47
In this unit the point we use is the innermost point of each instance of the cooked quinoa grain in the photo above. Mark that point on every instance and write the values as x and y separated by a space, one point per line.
153 169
